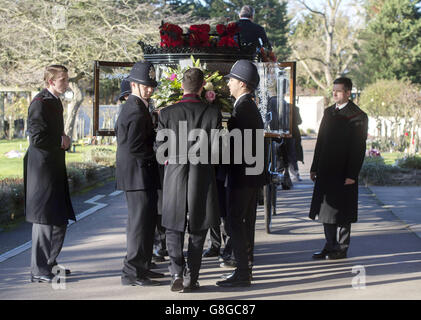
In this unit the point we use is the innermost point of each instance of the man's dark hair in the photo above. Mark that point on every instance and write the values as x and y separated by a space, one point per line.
345 81
193 80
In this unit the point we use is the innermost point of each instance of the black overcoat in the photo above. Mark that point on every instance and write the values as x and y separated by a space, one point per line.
136 166
47 198
245 115
189 189
339 154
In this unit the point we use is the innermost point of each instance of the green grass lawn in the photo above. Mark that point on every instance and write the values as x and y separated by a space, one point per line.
14 167
391 157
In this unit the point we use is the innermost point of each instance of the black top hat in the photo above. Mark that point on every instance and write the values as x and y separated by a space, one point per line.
125 89
143 72
246 71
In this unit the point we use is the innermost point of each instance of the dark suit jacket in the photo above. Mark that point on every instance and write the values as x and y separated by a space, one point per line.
47 199
246 115
189 189
250 32
339 154
136 166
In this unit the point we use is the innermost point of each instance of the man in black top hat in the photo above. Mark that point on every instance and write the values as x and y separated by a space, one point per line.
137 174
251 32
242 188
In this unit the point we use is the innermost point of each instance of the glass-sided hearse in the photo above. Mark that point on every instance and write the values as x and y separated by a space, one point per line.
275 98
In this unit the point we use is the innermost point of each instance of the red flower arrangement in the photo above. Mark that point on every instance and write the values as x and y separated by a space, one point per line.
199 35
227 34
171 35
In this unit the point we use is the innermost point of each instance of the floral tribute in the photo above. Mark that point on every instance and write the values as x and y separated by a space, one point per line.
199 35
227 34
171 35
169 90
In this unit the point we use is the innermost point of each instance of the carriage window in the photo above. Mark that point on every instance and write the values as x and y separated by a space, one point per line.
275 95
107 81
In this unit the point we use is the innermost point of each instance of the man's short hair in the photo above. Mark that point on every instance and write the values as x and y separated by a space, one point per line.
51 72
193 80
247 12
345 81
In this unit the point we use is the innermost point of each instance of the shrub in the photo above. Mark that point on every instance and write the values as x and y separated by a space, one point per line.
410 162
375 172
11 199
101 156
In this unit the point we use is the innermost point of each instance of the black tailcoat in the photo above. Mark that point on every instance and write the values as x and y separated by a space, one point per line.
47 198
250 32
339 154
190 189
245 115
136 166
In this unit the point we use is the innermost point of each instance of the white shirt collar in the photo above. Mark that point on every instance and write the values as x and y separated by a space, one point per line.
236 101
341 106
144 101
52 93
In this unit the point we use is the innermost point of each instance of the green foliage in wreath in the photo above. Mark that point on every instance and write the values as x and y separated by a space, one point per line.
169 90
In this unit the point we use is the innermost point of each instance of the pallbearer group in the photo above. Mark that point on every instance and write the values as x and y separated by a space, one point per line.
179 196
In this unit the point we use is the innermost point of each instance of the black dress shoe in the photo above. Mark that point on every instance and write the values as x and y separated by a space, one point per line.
335 255
48 278
154 275
176 283
228 264
211 252
157 258
142 282
60 269
235 280
192 287
321 254
228 275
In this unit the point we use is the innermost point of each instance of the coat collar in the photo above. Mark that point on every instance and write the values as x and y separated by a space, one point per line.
246 96
135 99
46 94
192 98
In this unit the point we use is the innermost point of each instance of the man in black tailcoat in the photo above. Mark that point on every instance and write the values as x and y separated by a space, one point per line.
242 186
47 200
190 198
137 175
251 32
338 157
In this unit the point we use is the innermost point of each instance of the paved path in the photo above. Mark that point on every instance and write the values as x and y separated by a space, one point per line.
384 252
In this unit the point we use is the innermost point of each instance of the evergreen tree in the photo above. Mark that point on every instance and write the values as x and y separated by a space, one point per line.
392 46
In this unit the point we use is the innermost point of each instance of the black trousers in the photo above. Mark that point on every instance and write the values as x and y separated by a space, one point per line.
142 214
337 237
47 242
222 232
160 244
175 244
241 214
